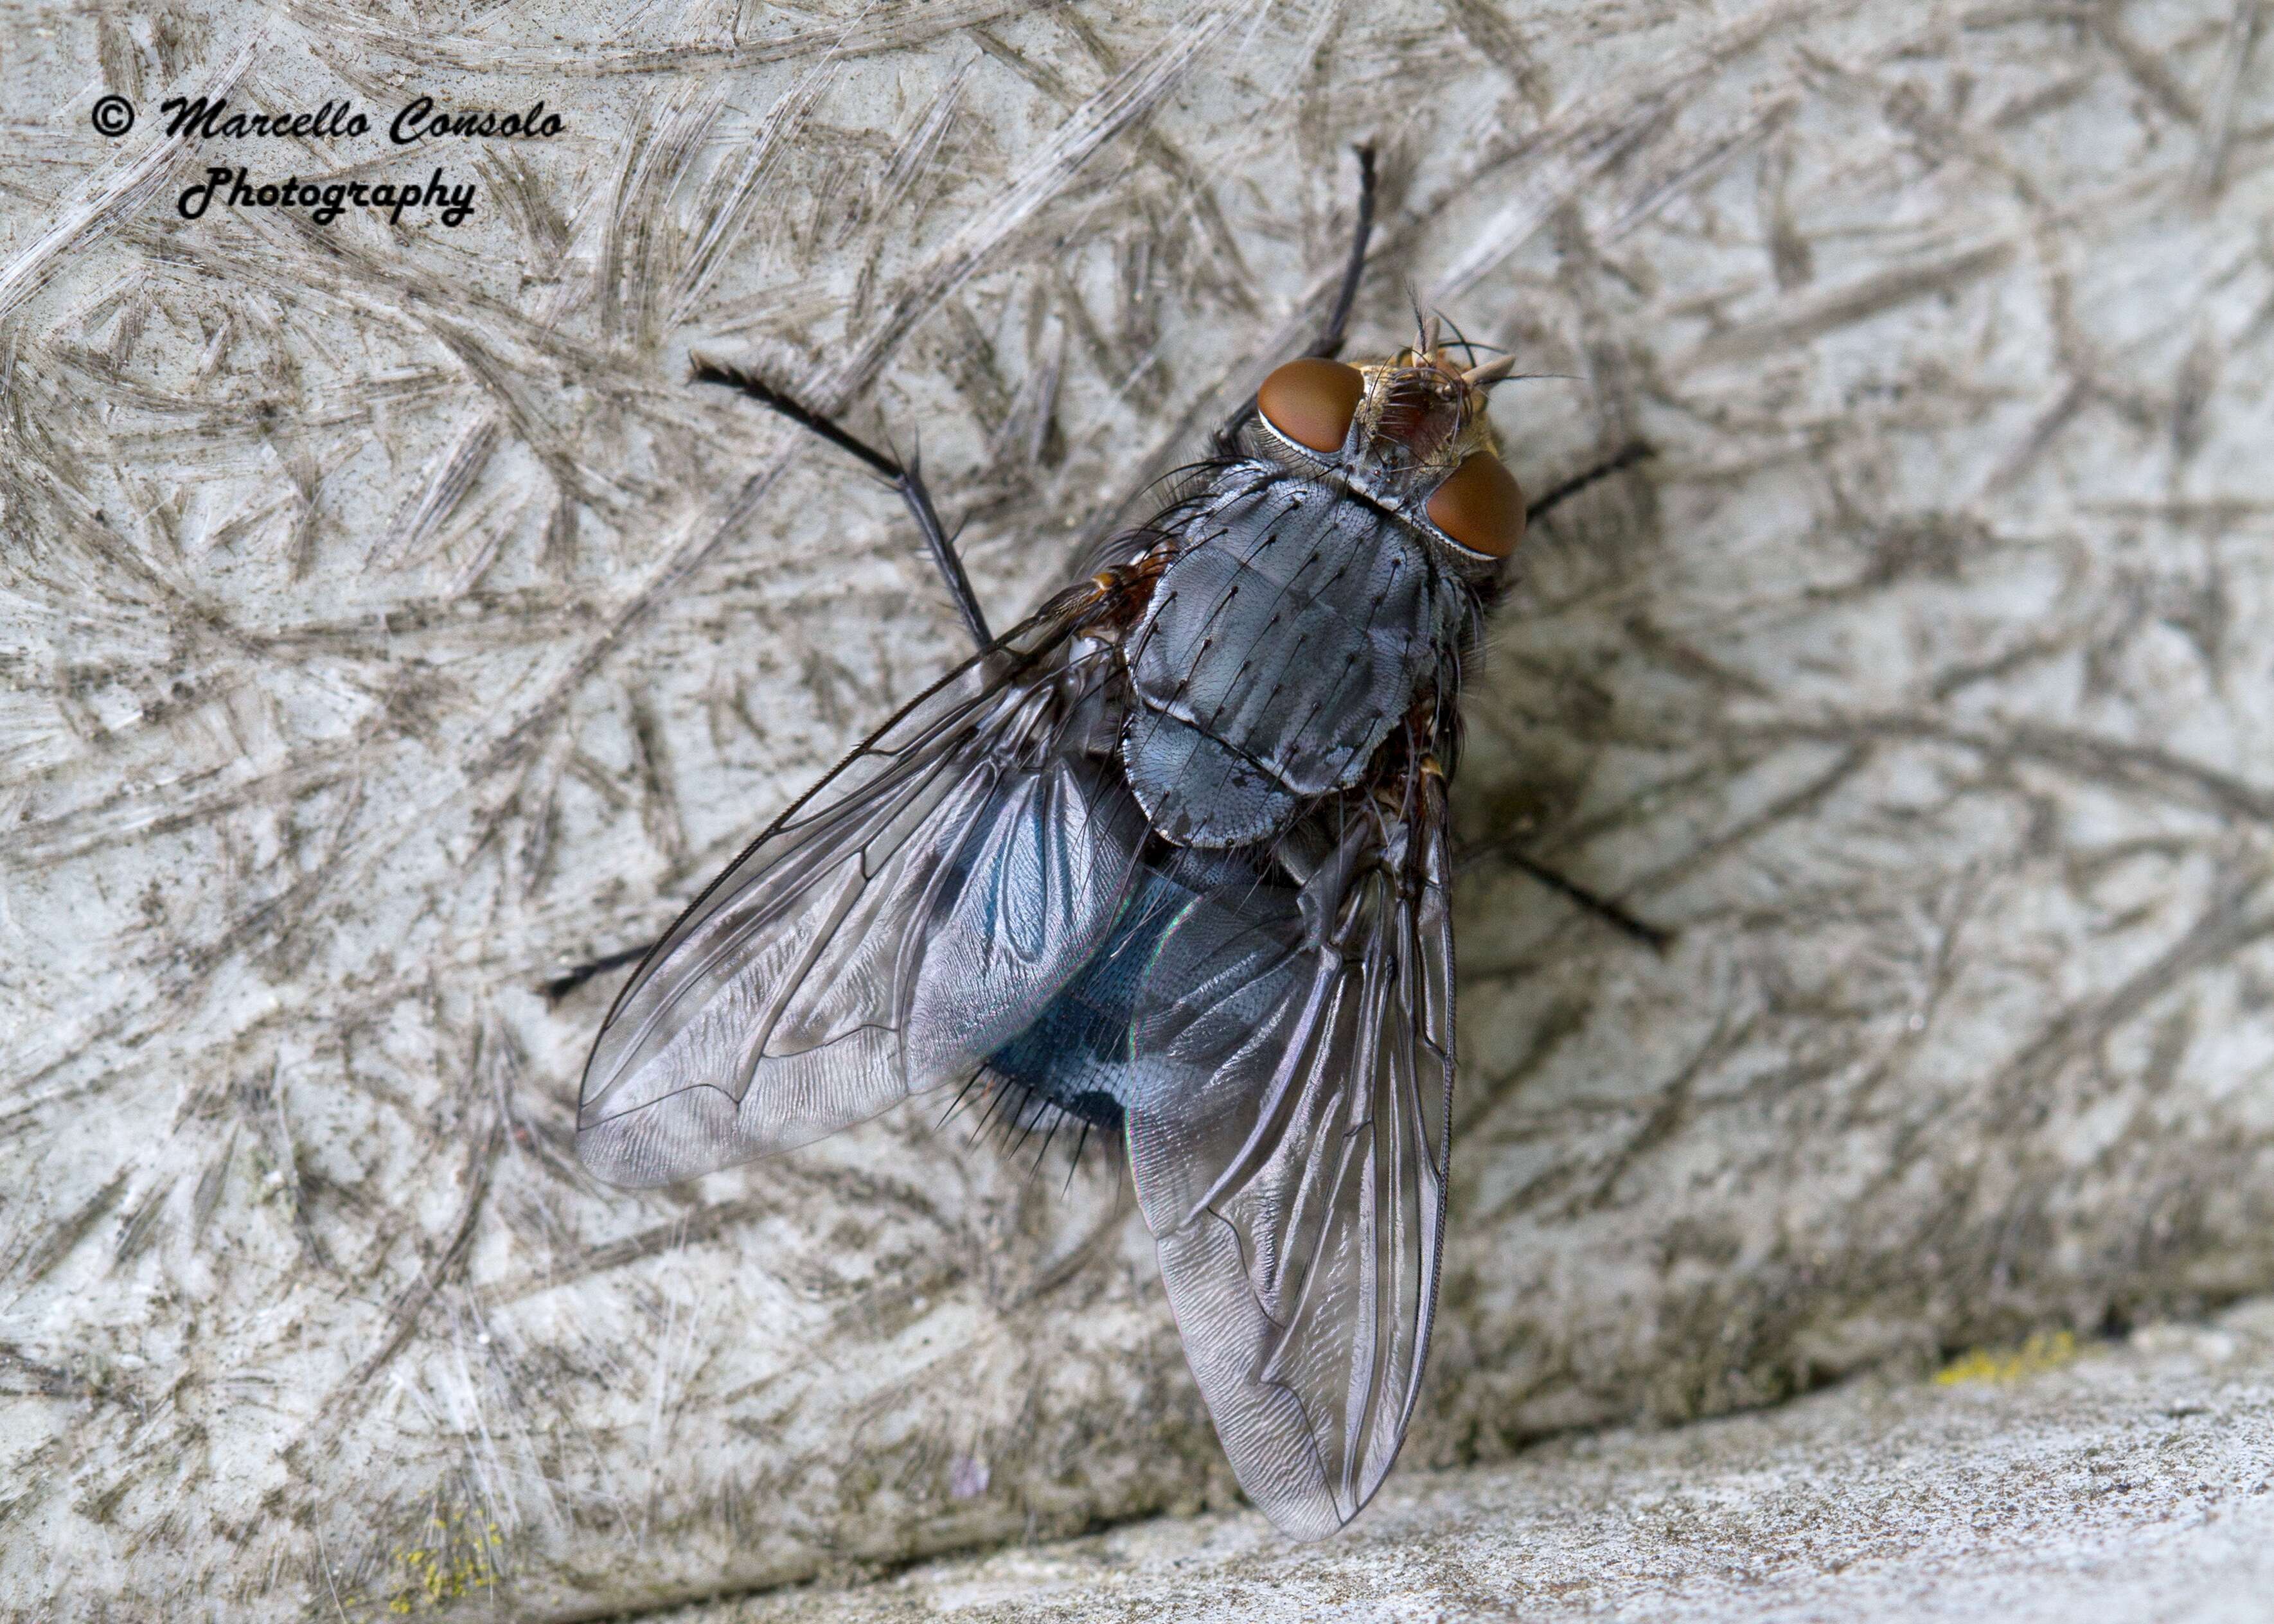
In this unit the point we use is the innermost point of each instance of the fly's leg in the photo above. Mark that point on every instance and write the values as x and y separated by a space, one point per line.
1623 459
1330 342
906 478
1506 851
569 980
1652 937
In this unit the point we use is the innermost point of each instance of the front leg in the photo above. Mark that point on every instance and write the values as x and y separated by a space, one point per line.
906 478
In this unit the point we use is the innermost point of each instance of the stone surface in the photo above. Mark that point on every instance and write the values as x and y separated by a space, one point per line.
384 626
2033 1485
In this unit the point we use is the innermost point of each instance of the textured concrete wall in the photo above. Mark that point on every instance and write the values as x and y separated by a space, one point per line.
384 626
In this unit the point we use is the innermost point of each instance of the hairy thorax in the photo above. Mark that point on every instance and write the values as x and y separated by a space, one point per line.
1292 628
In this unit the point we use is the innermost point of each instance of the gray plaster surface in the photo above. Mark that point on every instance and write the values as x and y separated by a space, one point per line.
385 627
2122 1484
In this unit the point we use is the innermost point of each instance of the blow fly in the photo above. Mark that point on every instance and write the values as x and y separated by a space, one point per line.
1167 860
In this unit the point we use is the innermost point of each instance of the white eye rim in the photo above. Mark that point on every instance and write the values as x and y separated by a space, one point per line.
1462 547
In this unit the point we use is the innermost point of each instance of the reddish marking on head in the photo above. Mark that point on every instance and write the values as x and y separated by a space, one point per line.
1425 403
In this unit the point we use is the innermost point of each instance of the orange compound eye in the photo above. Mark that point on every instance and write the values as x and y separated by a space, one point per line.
1312 402
1481 506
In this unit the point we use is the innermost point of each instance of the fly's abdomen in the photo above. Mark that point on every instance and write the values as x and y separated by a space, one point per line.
1186 911
1077 1053
1282 642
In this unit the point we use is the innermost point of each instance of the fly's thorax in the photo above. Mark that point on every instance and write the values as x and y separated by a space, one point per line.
1291 630
1409 436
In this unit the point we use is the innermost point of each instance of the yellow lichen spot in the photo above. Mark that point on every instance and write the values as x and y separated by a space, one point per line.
453 1564
2046 1350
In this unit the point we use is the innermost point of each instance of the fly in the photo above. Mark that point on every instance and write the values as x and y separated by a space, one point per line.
1167 860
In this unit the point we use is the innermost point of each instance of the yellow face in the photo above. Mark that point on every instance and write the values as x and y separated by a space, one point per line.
1419 417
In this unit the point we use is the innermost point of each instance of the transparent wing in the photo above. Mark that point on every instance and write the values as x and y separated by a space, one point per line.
1287 1141
900 921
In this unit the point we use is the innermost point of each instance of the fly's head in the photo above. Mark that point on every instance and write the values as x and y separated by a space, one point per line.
1411 434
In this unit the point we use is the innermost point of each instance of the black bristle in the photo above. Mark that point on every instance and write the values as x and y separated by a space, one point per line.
1013 1114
